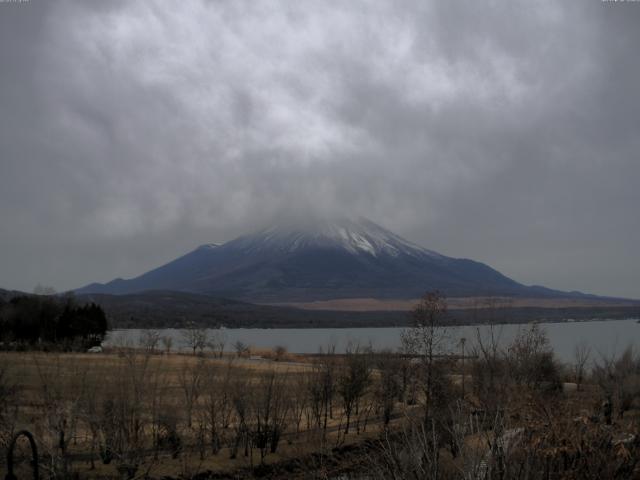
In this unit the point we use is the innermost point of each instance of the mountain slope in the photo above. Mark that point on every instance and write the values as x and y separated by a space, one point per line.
321 259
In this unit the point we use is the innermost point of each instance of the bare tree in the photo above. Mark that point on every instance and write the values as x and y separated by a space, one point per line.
489 367
426 338
218 341
619 378
195 338
299 392
190 378
321 384
123 413
530 358
389 385
354 377
60 409
167 343
462 342
581 354
158 408
315 395
241 349
279 351
269 407
149 340
88 411
218 403
240 398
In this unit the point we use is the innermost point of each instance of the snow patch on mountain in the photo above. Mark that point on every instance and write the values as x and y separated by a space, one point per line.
209 246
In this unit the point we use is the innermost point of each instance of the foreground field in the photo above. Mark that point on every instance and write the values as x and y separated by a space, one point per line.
512 413
176 415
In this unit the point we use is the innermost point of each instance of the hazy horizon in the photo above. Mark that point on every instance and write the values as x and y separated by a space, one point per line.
134 132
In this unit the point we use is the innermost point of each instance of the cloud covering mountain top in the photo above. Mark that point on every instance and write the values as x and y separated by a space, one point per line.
502 132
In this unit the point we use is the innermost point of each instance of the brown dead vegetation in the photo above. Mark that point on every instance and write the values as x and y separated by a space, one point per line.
489 412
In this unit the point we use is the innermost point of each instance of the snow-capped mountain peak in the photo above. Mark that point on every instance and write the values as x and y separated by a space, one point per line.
357 236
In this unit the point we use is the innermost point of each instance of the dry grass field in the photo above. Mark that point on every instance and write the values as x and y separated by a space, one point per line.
56 395
132 413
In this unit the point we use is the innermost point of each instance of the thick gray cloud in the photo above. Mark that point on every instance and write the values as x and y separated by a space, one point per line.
507 132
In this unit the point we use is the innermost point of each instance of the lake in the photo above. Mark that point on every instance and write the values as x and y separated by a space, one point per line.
604 337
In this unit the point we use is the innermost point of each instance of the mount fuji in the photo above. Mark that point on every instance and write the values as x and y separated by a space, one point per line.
320 260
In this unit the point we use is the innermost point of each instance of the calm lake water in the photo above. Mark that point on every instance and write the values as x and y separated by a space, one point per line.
604 337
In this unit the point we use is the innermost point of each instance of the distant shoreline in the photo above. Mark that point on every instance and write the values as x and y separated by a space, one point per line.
456 303
400 319
170 309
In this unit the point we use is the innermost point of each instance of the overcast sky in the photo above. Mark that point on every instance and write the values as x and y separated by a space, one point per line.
506 132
